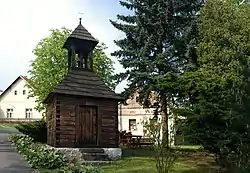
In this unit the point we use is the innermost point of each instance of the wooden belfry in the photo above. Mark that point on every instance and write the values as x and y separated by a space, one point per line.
82 111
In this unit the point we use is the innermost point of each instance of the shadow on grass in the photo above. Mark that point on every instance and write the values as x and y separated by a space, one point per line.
146 152
137 152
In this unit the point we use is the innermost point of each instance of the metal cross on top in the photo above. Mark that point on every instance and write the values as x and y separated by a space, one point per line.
80 18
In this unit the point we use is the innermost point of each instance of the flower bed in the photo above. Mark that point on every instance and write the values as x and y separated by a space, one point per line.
40 156
36 154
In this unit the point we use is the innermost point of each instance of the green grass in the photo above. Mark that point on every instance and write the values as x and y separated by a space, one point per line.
142 161
7 126
194 147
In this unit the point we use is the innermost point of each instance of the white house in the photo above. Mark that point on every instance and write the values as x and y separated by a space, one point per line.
131 116
14 101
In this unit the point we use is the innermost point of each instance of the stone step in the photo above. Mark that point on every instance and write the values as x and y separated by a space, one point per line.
95 157
91 150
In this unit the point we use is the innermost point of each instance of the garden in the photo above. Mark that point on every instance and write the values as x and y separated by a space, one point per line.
31 145
194 55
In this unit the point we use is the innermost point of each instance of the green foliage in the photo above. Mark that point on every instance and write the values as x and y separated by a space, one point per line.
76 168
165 157
36 154
41 156
157 48
104 66
50 65
152 56
218 91
36 130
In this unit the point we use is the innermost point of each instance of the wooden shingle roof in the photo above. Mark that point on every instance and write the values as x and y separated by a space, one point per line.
81 33
81 82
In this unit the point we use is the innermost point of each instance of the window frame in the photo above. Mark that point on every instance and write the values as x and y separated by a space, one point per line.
28 113
130 125
9 113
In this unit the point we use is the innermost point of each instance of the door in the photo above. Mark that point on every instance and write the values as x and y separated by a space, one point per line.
87 126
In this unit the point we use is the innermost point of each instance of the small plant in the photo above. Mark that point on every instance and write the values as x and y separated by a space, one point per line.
77 168
37 130
165 156
38 155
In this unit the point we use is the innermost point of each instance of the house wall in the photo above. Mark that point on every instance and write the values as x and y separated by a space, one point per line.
135 111
18 102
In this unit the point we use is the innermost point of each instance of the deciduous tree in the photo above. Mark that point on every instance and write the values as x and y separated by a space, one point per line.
50 65
218 91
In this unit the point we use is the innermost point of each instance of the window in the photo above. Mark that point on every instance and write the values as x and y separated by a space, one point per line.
132 124
15 92
24 92
137 99
9 113
28 113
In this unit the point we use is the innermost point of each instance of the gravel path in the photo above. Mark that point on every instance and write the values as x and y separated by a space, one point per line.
10 160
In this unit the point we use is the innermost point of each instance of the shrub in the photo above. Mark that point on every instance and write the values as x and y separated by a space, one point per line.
36 130
76 168
38 155
165 157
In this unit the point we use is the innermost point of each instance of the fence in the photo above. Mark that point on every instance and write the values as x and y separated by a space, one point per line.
17 120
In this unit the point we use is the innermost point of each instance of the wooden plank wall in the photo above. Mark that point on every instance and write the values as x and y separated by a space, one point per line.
67 125
108 135
50 118
109 124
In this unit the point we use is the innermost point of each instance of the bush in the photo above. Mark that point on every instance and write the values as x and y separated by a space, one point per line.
38 155
36 130
75 168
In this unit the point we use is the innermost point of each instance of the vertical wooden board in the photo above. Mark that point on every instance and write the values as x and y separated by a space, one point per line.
77 127
91 137
99 125
84 125
94 123
81 119
88 125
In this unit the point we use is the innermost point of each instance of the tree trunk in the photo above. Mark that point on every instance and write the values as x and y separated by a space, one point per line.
165 117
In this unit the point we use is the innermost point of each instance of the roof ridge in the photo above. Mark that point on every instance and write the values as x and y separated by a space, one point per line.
19 77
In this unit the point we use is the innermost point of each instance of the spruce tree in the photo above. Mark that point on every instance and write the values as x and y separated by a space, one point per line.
157 49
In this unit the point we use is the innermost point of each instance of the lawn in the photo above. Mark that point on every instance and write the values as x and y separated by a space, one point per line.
142 161
7 126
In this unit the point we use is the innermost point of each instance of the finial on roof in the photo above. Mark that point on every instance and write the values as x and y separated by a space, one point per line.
80 19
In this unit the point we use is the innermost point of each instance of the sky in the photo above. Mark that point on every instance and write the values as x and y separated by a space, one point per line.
24 23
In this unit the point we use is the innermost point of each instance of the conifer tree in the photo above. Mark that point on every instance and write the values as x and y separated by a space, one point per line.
157 48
